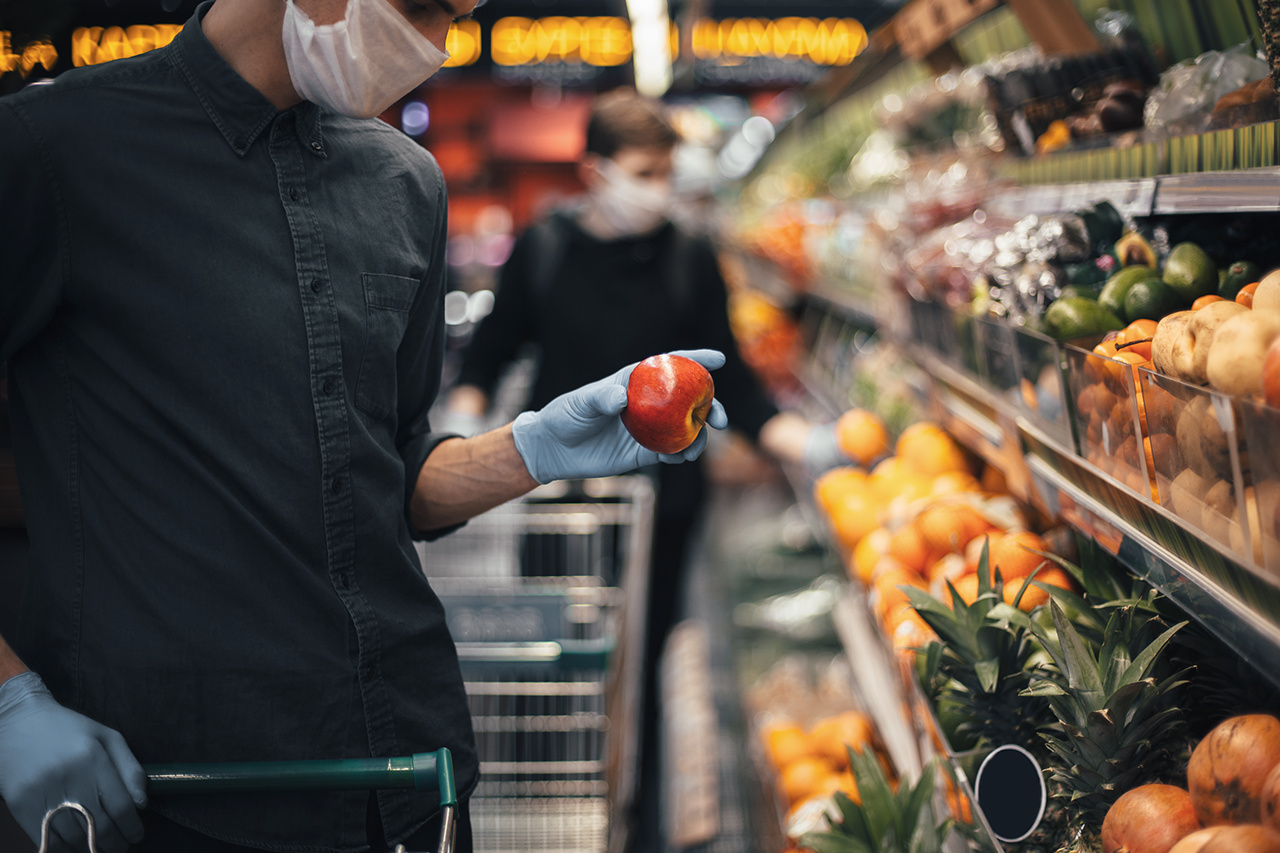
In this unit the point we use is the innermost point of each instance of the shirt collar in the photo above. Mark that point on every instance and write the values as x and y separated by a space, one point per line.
238 110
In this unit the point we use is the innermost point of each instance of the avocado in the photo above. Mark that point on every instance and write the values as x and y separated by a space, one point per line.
1190 272
1086 273
1236 276
1077 317
1117 287
1133 250
1080 291
1150 299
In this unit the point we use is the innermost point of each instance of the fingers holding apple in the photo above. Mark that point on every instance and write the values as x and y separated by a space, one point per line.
669 399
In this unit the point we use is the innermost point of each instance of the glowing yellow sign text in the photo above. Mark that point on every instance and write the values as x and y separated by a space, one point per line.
38 52
830 41
93 45
528 41
462 44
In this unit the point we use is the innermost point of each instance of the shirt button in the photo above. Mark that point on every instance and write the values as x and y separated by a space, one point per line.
335 486
328 386
315 285
316 146
293 194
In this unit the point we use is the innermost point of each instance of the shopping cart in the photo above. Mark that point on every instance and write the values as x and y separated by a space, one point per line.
540 596
426 771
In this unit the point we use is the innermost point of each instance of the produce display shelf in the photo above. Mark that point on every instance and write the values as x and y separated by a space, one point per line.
1254 190
1230 598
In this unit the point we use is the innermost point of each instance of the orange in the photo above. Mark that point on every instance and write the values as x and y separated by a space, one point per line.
1245 296
906 628
802 778
908 546
842 782
853 515
836 482
831 735
894 478
928 449
1141 348
947 527
868 552
786 743
1011 555
966 587
1138 330
1207 299
954 482
862 436
1035 596
885 592
973 551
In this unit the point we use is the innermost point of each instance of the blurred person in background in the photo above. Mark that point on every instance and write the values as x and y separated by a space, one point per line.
222 318
613 279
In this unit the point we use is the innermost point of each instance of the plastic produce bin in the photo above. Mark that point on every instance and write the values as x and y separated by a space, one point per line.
1195 453
1261 426
1041 387
1108 417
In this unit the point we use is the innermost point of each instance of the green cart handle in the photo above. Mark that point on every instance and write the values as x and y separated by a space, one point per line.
425 771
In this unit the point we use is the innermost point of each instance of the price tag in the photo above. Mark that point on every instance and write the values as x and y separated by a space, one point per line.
1010 791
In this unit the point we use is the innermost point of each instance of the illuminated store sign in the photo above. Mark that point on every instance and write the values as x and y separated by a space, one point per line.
829 41
600 41
462 44
92 45
38 52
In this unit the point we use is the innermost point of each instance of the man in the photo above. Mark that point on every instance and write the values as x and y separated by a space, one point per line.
606 281
221 314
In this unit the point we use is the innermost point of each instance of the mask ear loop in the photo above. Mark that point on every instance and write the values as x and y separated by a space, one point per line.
76 807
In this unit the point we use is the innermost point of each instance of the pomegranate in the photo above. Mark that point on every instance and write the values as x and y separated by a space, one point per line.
1271 799
1228 767
1195 842
1148 819
1247 838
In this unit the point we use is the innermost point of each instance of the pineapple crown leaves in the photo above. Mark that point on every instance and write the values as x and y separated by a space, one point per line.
988 637
886 821
1103 592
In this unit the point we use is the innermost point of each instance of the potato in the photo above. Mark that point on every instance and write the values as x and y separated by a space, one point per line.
1171 349
1219 510
1202 329
1215 449
1267 296
1240 344
1186 495
1236 537
1188 433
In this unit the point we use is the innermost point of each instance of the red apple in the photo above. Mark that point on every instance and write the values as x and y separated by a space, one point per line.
1271 374
668 398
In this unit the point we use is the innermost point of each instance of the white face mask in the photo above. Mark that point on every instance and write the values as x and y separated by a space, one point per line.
361 65
626 205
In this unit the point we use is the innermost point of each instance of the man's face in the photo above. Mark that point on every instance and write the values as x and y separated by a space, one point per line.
429 17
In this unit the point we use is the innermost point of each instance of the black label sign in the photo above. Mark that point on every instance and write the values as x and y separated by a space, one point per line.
1010 791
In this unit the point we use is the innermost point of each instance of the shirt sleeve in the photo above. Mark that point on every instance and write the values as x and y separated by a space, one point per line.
419 362
499 336
745 400
33 231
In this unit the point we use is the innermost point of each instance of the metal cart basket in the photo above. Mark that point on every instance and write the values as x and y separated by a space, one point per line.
541 596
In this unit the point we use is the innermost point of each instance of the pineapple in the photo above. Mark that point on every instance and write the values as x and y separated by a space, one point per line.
884 821
980 665
1118 728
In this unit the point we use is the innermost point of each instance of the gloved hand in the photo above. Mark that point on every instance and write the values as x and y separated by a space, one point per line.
822 451
50 754
579 434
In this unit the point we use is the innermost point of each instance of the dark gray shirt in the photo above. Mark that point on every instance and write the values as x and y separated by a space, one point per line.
223 328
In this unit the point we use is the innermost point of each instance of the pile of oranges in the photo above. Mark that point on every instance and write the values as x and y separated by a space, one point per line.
1104 408
920 518
813 762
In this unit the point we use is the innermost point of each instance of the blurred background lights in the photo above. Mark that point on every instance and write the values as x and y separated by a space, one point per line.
415 118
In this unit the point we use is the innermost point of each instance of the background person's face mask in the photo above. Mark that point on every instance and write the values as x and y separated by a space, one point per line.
361 65
628 205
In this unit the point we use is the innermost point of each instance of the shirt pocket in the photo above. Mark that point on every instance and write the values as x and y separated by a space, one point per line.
387 300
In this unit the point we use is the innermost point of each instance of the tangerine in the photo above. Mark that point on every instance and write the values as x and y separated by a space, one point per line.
908 546
868 552
832 735
1245 294
786 743
862 436
803 777
1012 554
947 527
928 449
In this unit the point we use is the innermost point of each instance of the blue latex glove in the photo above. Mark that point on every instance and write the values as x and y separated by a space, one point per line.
50 754
579 434
821 451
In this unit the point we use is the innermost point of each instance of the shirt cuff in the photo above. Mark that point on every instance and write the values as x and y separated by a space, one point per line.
415 455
